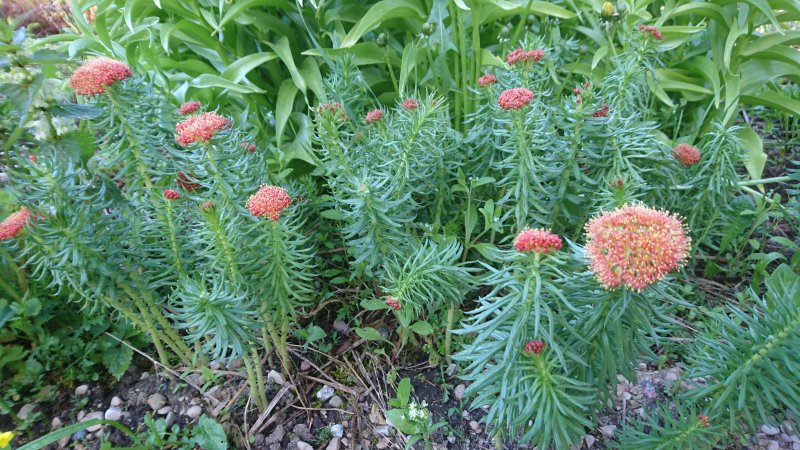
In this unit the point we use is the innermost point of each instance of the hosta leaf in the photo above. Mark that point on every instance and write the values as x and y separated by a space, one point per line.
381 12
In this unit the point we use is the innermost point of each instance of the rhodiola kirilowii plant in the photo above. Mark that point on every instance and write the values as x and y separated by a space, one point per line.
174 224
546 165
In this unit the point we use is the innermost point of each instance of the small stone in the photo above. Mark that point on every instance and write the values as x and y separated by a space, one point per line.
769 430
144 376
81 414
458 392
301 430
26 410
671 376
785 438
325 393
303 446
214 365
341 326
62 443
796 446
474 425
82 389
589 440
451 370
165 410
170 419
336 401
276 437
334 444
608 430
91 416
375 415
56 424
79 435
383 444
194 412
787 427
156 401
773 445
337 430
451 439
627 395
382 430
276 378
235 364
304 366
112 414
116 401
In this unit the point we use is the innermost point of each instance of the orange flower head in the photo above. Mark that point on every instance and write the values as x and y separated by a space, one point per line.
188 108
374 116
652 31
187 182
602 112
269 202
487 80
704 420
95 75
538 241
686 154
13 224
393 303
635 246
515 98
410 104
521 56
171 194
534 347
200 128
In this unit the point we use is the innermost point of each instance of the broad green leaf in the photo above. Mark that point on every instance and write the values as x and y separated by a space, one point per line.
706 9
770 40
283 107
404 392
241 6
209 434
399 418
490 59
756 158
774 100
365 53
766 9
599 55
372 304
75 111
733 35
757 73
505 8
242 66
421 328
659 91
117 360
370 334
213 81
380 12
411 54
309 68
461 5
333 214
708 70
284 52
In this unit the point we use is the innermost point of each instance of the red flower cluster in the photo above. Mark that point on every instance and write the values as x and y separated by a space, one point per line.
653 31
12 225
269 202
704 420
171 194
616 184
535 240
393 303
329 107
635 246
208 205
602 112
535 347
32 158
250 147
95 75
515 98
686 154
486 80
188 108
187 182
410 104
374 116
200 128
521 56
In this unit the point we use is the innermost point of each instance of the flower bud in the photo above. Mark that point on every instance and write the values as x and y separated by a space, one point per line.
428 28
382 40
607 10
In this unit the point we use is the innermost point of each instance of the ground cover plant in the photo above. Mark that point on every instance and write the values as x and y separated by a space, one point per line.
537 229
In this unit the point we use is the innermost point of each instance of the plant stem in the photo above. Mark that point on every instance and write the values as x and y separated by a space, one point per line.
765 181
255 390
390 67
448 328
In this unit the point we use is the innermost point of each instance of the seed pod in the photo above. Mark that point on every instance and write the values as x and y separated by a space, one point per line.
428 28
